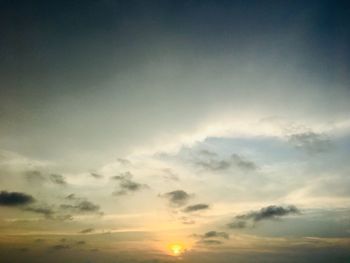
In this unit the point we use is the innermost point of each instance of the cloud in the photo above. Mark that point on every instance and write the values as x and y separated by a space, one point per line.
310 142
71 197
87 230
35 177
44 210
82 206
57 179
214 164
177 197
48 211
270 212
187 221
65 217
197 207
123 161
97 176
266 213
27 203
210 242
207 153
212 234
122 176
237 224
170 175
61 247
126 185
15 199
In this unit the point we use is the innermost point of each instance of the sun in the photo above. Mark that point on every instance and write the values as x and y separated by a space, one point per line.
176 249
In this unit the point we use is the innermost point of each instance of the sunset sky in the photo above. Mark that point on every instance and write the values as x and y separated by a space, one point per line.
174 131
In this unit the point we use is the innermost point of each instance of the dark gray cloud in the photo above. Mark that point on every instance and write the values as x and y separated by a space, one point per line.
170 175
212 234
15 198
97 176
177 197
210 242
35 177
48 211
265 213
61 247
196 207
57 179
82 206
212 163
71 197
126 185
207 153
130 185
187 221
123 161
87 206
270 212
64 217
242 162
87 230
122 176
68 244
44 210
311 142
79 204
237 224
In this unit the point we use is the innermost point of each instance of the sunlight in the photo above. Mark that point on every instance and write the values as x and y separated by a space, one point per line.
176 249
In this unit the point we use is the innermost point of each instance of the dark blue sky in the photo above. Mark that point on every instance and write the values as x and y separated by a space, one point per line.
60 36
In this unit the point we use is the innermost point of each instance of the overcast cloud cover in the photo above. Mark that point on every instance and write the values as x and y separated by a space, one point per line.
128 127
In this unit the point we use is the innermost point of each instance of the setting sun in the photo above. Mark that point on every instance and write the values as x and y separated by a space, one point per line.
176 249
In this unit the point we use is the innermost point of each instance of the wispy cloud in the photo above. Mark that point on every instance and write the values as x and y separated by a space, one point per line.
35 177
82 206
87 230
57 179
311 142
212 234
44 210
210 242
196 207
127 185
266 213
177 197
213 163
96 175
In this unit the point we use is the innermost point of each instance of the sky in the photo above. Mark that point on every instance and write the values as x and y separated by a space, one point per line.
174 131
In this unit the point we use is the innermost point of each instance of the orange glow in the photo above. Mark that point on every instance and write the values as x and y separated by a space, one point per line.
176 249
